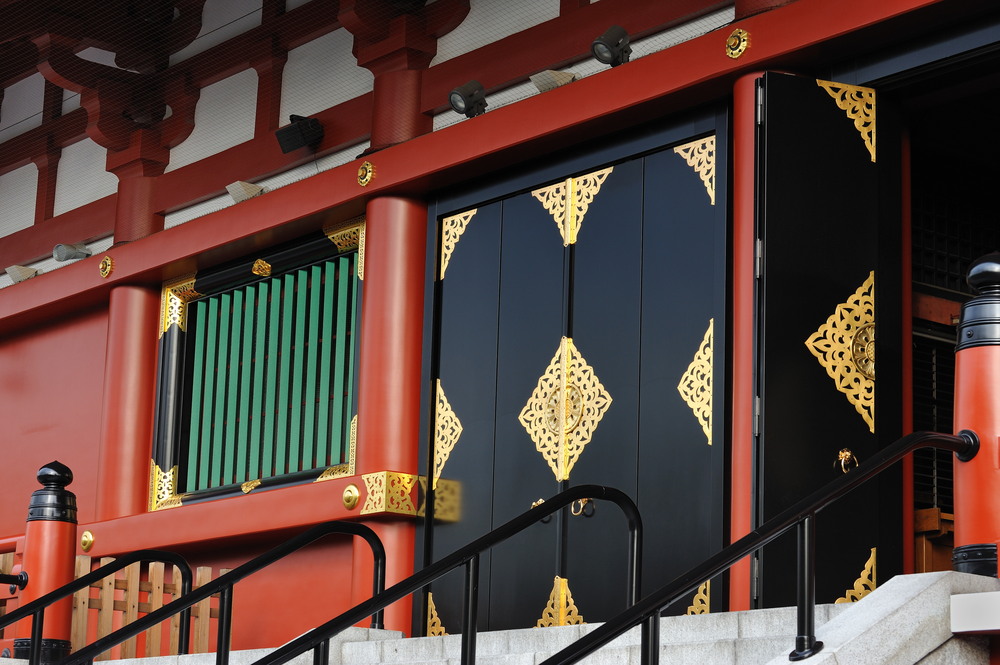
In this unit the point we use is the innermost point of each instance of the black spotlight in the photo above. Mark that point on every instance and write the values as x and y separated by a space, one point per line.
469 99
612 47
300 133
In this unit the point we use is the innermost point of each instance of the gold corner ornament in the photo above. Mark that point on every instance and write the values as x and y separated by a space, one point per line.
366 173
261 268
845 347
173 303
702 602
859 104
561 610
348 469
565 408
163 488
434 626
695 386
452 229
250 485
737 43
345 235
569 200
106 266
863 586
447 499
700 156
447 430
389 492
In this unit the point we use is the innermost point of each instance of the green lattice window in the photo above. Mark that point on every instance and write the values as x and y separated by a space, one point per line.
257 374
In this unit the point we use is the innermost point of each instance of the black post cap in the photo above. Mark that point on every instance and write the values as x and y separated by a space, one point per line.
980 321
53 503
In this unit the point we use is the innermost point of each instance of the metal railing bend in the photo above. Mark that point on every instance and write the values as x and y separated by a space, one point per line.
965 445
317 638
223 585
36 608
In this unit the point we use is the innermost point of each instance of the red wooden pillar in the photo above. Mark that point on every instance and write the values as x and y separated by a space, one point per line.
744 187
129 395
49 551
977 408
389 375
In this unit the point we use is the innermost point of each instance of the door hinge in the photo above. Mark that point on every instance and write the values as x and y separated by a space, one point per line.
760 103
758 258
756 415
754 577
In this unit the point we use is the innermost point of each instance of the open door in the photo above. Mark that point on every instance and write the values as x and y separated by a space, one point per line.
827 298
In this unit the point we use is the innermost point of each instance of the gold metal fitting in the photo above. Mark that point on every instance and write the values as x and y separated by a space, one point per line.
87 540
846 459
579 507
737 42
351 496
366 172
107 266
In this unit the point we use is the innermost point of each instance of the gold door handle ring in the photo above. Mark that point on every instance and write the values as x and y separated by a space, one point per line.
583 507
846 459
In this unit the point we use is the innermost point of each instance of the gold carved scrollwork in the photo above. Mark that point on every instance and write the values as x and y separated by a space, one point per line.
452 229
864 585
345 235
250 486
702 602
361 253
173 303
700 156
447 430
845 347
389 492
560 610
261 268
696 384
569 200
434 626
859 104
565 408
163 488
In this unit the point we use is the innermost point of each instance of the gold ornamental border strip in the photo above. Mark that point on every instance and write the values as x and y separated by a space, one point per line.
561 609
864 585
859 104
845 346
565 409
569 200
695 387
700 156
343 470
452 229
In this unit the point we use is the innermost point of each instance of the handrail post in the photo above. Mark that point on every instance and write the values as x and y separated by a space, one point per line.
49 554
471 611
977 407
805 640
650 640
225 626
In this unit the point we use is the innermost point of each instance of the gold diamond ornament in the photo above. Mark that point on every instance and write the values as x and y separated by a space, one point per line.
561 610
695 386
845 347
565 408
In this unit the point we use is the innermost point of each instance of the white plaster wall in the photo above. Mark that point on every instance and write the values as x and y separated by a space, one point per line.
320 74
21 108
223 118
81 177
17 194
490 20
221 20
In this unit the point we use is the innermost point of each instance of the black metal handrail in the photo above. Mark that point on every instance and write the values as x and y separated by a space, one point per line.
318 637
965 445
223 585
36 608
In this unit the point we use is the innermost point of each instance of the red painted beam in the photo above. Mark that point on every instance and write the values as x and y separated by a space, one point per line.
606 102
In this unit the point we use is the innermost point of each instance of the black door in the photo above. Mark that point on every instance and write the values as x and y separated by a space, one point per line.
829 280
575 323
